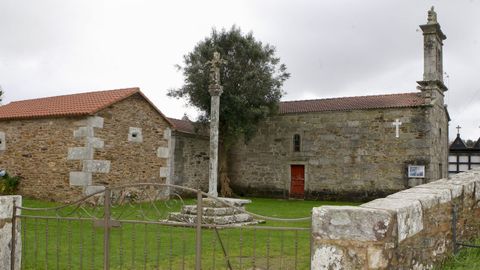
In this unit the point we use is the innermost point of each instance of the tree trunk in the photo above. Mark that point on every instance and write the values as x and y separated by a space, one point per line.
225 189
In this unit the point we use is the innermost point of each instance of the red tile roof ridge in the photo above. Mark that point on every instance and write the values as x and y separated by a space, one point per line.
351 97
136 89
86 103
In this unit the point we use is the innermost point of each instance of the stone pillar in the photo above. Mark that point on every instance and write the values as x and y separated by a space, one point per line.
6 212
215 91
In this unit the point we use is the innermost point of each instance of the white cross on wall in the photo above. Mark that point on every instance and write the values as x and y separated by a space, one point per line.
397 125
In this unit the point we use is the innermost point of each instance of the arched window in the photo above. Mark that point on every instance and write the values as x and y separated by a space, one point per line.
296 143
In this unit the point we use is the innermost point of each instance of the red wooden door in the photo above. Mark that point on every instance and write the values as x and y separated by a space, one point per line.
297 186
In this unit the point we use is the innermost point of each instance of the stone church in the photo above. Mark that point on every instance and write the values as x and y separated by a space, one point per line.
352 147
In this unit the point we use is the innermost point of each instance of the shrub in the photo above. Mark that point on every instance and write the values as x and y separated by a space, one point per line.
9 184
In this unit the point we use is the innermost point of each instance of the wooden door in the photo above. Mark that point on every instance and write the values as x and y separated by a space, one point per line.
297 186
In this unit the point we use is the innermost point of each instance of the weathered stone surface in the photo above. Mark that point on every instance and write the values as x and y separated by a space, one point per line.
352 223
164 171
83 132
444 194
80 153
93 189
95 121
80 178
209 202
456 190
95 143
409 214
377 258
3 142
163 152
6 214
96 166
219 220
135 134
190 163
467 183
328 257
167 133
428 200
210 211
477 191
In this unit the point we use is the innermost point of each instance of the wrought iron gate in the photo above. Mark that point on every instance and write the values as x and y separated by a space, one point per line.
128 227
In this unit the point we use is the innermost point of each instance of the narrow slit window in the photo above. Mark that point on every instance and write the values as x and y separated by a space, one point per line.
296 143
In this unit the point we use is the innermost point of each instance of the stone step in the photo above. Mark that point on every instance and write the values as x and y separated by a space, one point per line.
209 202
211 211
219 220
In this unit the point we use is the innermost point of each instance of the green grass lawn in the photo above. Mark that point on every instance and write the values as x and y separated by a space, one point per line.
466 259
57 243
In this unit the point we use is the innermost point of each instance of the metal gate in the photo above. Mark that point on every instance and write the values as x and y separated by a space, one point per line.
128 227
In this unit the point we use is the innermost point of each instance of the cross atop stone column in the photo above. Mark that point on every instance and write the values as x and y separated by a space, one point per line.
215 90
397 125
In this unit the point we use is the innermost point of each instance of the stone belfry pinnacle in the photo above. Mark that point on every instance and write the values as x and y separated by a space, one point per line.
433 38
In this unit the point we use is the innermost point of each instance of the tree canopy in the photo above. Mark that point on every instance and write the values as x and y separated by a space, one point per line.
252 81
1 93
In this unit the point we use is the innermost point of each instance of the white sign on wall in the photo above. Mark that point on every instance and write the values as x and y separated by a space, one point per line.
416 171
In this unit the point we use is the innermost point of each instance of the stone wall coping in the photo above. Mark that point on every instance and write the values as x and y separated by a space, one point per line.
409 214
444 195
6 205
351 223
428 200
456 190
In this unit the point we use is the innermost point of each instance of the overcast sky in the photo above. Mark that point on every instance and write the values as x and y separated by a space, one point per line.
331 48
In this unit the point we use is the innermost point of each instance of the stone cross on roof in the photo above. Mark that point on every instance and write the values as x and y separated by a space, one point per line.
458 129
432 16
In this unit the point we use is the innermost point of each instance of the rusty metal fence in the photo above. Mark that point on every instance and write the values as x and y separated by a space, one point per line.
128 227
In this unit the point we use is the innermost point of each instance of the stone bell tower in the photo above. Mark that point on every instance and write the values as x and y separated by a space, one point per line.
432 85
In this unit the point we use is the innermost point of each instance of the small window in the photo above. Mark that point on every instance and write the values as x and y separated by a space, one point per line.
296 143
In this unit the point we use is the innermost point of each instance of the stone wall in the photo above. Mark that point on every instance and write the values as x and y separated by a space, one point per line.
138 159
346 154
37 149
411 229
63 158
6 214
191 160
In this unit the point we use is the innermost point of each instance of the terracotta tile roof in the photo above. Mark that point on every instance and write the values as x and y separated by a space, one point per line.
68 105
331 104
352 103
185 126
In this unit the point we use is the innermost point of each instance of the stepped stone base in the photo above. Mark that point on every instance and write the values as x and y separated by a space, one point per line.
216 212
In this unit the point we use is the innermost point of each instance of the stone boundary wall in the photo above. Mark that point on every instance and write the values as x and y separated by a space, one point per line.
411 229
6 211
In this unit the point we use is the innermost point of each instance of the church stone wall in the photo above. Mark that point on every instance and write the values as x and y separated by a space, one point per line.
191 161
54 158
438 137
346 154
